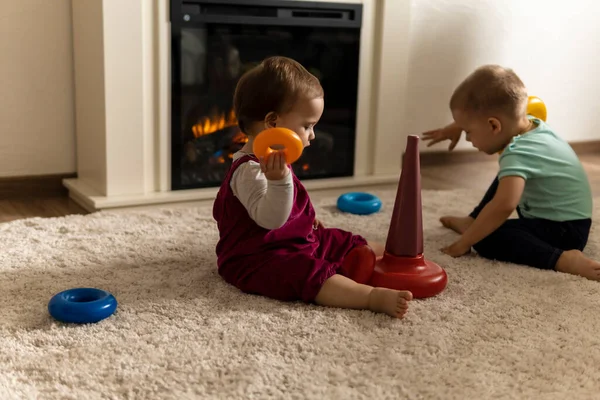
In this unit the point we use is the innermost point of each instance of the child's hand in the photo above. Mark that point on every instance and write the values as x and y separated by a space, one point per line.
450 132
317 224
457 249
275 166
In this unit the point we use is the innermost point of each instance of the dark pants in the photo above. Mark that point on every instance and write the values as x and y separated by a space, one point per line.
531 241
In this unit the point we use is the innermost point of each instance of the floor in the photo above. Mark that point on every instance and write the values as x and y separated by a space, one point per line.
476 175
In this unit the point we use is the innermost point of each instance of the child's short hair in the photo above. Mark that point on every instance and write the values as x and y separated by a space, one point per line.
491 88
273 85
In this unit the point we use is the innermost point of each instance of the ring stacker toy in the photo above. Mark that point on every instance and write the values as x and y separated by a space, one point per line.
403 266
82 305
265 140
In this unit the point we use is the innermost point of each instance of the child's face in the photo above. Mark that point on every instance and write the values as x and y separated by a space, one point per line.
302 118
483 133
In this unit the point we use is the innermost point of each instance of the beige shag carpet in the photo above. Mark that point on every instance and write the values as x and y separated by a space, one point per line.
180 332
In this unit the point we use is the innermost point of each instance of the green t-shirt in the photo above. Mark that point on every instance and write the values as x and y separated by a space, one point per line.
556 185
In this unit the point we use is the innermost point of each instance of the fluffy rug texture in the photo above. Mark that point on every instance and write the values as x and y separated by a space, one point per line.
180 332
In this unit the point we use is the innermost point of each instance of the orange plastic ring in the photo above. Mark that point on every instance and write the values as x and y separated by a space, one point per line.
278 136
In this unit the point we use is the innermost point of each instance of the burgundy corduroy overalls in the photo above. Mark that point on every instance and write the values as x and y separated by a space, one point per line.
288 263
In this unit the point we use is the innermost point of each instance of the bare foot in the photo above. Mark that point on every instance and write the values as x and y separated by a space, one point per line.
574 262
389 301
457 224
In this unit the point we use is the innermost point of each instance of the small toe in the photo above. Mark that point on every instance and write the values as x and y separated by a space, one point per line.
406 295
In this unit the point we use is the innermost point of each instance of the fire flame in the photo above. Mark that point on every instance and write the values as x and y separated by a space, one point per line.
240 138
206 125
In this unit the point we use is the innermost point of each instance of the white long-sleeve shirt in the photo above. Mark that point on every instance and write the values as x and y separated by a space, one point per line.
269 202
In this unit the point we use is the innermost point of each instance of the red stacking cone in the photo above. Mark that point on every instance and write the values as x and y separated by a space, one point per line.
403 266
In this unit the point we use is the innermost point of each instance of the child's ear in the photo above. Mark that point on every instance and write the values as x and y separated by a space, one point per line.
271 120
495 125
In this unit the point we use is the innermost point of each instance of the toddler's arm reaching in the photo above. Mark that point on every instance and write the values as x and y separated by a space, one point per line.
450 132
268 201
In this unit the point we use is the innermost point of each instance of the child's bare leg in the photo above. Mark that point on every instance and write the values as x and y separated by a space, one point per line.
574 262
457 224
378 248
342 292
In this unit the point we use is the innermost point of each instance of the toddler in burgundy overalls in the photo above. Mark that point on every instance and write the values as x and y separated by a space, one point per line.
289 263
270 243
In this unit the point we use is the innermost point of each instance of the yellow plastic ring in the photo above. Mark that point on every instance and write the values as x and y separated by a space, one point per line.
536 107
287 138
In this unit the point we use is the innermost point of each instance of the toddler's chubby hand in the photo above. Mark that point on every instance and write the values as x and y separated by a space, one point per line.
275 166
317 224
450 132
457 249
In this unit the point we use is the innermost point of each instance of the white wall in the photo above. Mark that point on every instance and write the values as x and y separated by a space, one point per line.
553 46
36 88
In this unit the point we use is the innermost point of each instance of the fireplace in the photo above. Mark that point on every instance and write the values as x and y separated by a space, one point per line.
213 42
125 82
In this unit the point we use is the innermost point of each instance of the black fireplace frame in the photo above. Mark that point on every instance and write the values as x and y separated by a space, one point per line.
191 13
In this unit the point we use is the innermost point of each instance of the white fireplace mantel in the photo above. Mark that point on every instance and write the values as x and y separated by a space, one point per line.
122 82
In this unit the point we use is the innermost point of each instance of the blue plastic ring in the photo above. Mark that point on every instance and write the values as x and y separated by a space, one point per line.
359 203
82 305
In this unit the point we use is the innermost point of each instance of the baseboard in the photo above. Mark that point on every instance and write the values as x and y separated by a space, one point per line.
587 147
34 186
432 158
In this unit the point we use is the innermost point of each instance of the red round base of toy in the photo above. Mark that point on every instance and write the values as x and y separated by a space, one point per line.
422 277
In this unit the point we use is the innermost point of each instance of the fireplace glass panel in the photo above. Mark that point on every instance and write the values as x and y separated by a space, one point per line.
208 60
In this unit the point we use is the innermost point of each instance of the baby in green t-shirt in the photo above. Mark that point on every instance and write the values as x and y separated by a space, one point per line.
540 177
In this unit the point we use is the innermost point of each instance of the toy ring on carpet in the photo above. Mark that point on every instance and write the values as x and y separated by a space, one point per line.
359 203
287 138
536 107
82 305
